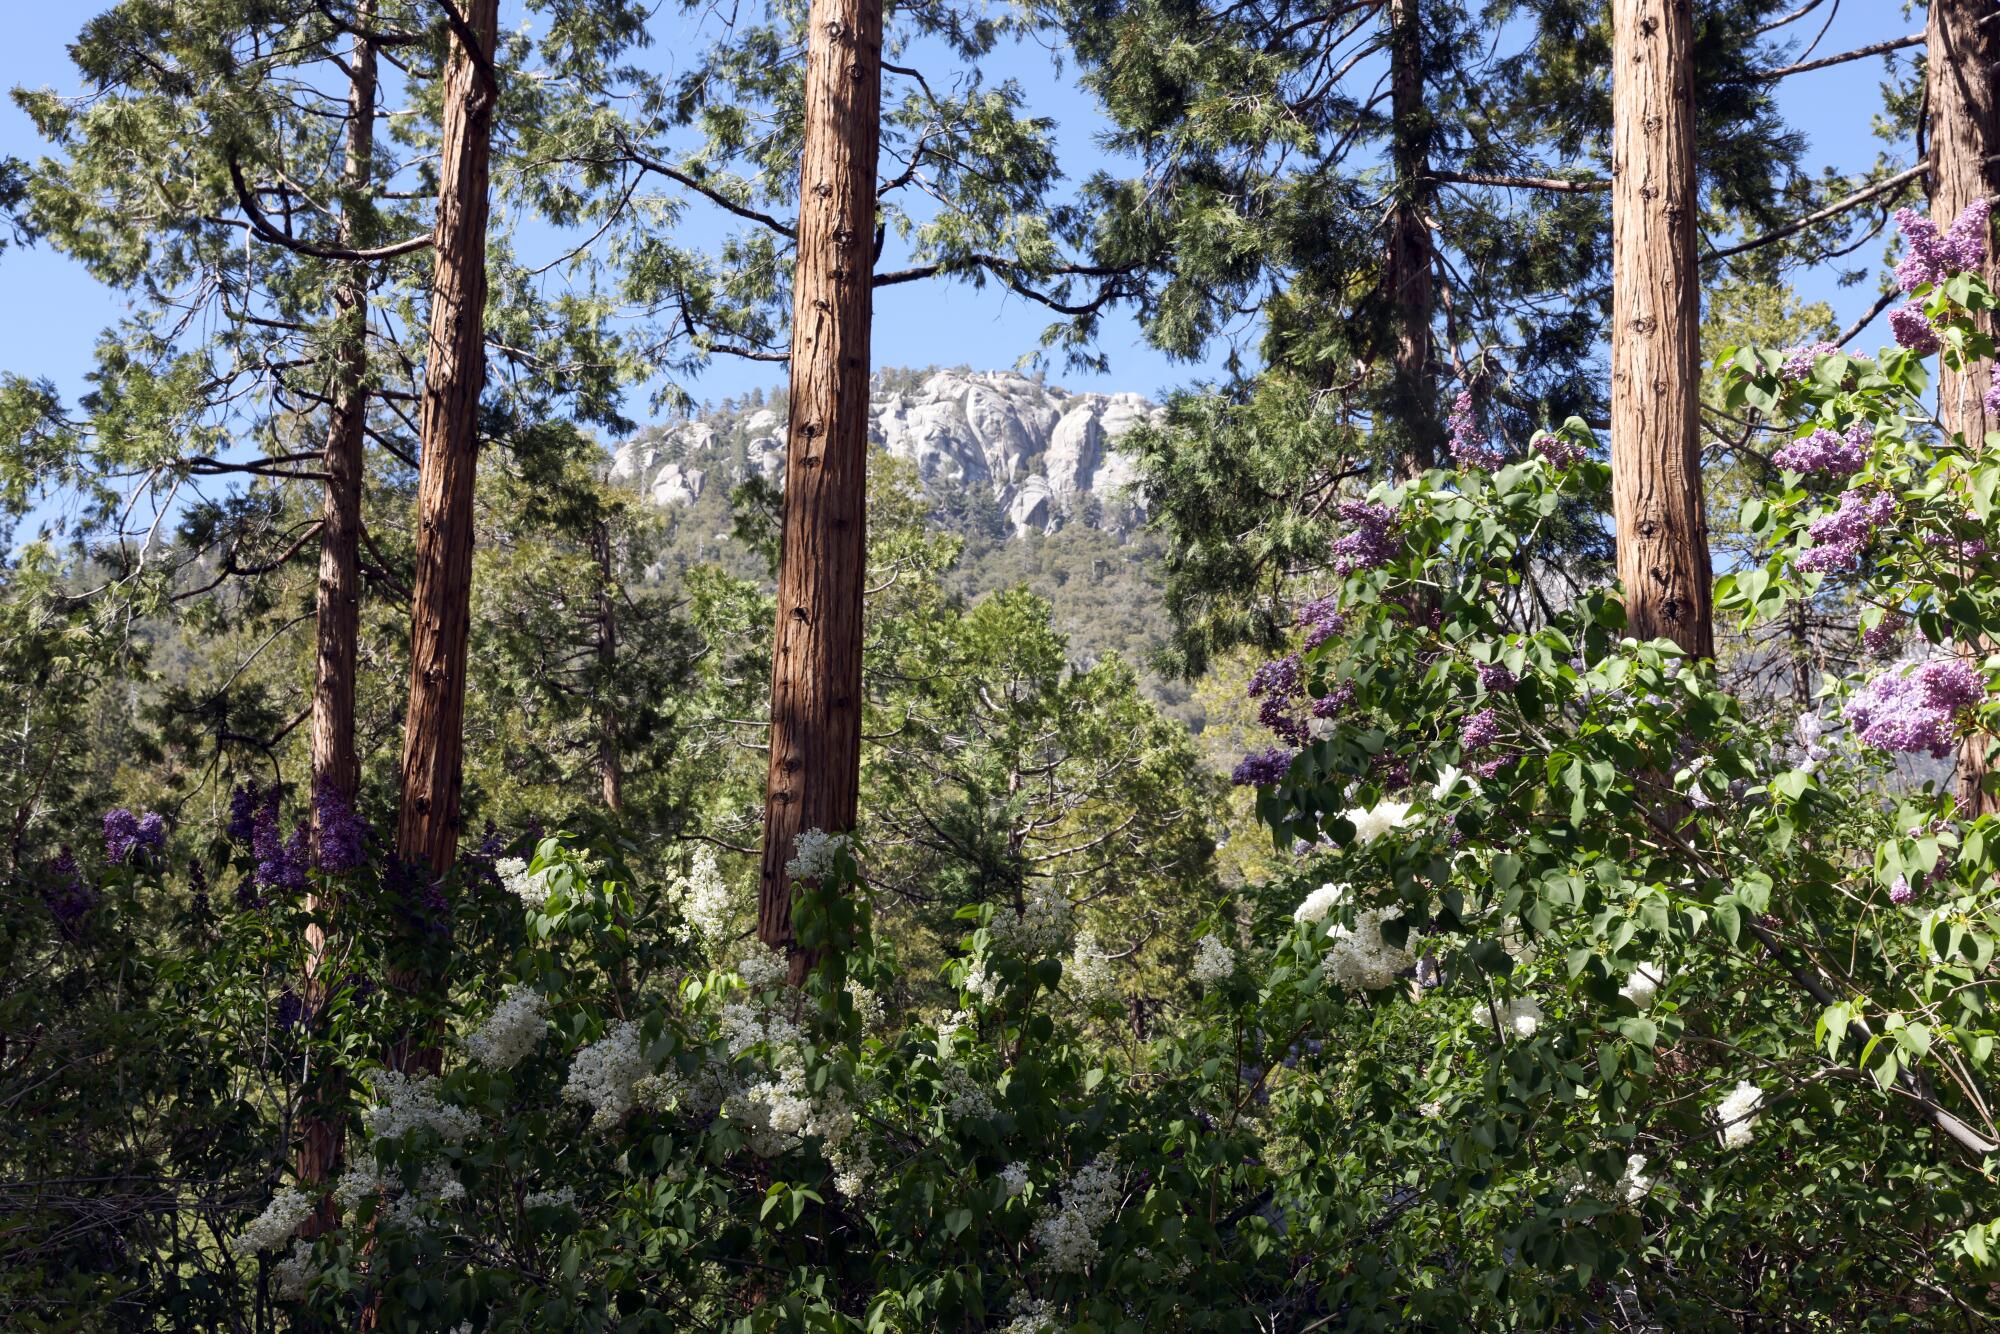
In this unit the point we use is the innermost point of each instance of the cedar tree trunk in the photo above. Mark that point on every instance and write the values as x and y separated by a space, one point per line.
1656 336
816 652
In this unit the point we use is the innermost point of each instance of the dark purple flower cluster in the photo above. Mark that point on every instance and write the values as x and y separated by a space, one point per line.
68 896
1495 679
1322 620
1918 711
1368 545
126 833
1838 538
1331 703
243 805
282 862
1390 770
1481 730
1902 892
343 834
1277 687
1993 393
1913 329
1931 258
1828 452
289 1012
1560 451
1469 445
1799 360
1262 769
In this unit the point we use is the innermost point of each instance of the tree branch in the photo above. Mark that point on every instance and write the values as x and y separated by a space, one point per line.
262 228
1830 211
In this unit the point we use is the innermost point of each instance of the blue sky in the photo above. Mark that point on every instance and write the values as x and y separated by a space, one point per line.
56 311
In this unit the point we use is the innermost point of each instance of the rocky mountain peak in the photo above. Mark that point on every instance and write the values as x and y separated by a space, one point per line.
1047 456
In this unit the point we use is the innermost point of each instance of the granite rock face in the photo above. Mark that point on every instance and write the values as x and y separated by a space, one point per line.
1046 456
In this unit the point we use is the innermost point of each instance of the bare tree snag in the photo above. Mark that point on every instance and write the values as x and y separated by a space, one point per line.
1408 272
1656 328
816 652
1962 45
338 606
454 374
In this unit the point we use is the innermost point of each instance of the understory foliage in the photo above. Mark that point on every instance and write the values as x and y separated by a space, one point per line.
1576 992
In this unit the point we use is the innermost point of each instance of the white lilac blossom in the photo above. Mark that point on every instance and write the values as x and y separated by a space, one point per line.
439 1186
1738 1113
1041 927
813 854
969 1098
280 1219
761 969
867 1004
1371 824
603 1073
949 1025
1067 1233
1448 780
513 1030
1644 984
290 1275
1089 969
403 1104
1360 959
562 1197
981 982
531 889
780 1112
1320 902
704 897
1520 1015
1213 960
1432 1110
1033 1315
1634 1185
1014 1176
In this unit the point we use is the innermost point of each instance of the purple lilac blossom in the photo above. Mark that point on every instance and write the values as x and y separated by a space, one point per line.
289 1010
1262 769
1481 730
1331 703
1913 330
1560 451
343 834
1799 360
1838 538
243 804
68 896
1825 451
126 833
281 862
1495 679
1931 257
419 896
1277 687
1883 636
1993 393
1368 545
1900 892
1469 445
1322 620
1916 712
1391 770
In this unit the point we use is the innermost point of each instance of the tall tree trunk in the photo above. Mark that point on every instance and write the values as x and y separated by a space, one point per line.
608 765
1961 49
1408 272
454 374
816 652
1656 482
335 770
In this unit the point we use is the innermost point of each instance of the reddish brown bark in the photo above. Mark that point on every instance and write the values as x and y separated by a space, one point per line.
1655 342
454 374
338 604
1408 271
1964 112
816 652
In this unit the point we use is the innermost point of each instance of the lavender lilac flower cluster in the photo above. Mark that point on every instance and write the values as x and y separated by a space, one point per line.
1918 711
1368 545
1495 679
1560 451
1931 257
1838 538
1262 769
1828 452
1469 445
68 896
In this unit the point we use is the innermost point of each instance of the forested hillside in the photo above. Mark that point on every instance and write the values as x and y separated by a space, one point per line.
1469 805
